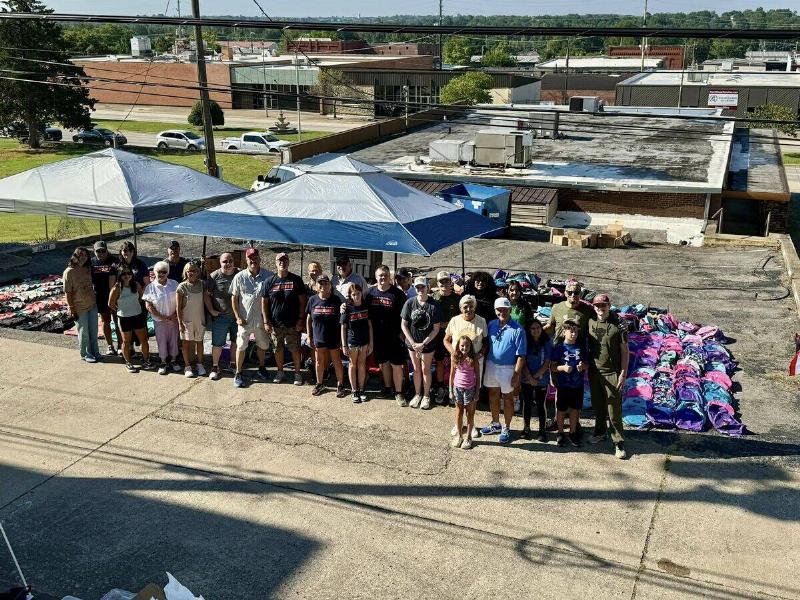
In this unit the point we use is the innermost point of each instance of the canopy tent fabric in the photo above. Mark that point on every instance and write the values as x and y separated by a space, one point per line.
113 185
366 211
330 162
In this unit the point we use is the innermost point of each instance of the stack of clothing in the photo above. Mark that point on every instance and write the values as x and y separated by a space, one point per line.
35 304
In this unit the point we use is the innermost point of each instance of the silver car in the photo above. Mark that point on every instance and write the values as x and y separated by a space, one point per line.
180 140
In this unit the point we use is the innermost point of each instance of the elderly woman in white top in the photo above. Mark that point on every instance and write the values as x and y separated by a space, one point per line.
159 296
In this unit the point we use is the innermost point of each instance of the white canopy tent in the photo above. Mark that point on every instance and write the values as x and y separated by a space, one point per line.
113 185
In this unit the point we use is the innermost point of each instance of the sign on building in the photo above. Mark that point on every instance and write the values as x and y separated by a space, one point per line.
723 98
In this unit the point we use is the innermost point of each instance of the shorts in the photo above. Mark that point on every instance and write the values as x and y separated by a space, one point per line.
328 344
440 352
128 324
568 398
356 348
285 335
499 376
390 349
195 331
243 337
464 397
223 328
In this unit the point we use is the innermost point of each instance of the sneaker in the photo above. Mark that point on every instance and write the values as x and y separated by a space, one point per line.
262 374
454 431
188 373
400 399
426 403
456 441
147 365
596 439
526 434
619 451
356 398
441 395
176 367
466 444
542 437
476 432
238 380
298 378
215 373
162 369
131 368
491 429
415 401
505 436
90 359
561 440
340 391
318 389
574 440
363 396
201 370
278 377
111 351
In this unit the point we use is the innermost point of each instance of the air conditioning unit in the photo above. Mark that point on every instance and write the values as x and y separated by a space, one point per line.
451 151
544 124
503 148
585 104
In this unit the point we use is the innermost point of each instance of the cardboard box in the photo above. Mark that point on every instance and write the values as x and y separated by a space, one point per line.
560 240
212 264
626 238
582 242
593 239
606 240
576 234
238 259
555 232
615 229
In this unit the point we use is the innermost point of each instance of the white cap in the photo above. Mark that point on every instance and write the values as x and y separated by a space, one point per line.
502 302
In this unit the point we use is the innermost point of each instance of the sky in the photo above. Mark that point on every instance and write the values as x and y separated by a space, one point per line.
351 8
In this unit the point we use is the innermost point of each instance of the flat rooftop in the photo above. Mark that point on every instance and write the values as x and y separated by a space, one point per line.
608 152
717 79
756 166
589 62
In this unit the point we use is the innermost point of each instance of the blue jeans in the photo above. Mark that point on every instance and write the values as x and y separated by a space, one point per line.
87 333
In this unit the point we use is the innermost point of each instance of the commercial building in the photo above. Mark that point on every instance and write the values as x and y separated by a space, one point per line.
559 87
597 64
753 62
738 93
672 55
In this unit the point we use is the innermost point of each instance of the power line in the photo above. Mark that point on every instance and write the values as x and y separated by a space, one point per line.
397 28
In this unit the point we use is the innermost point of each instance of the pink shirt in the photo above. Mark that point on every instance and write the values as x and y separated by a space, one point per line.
465 376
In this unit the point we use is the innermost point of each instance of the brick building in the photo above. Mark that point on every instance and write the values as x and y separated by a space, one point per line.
326 46
558 87
672 55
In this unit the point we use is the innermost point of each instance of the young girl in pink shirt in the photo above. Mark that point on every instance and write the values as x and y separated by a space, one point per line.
464 378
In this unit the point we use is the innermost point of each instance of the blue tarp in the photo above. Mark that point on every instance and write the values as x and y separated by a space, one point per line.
364 210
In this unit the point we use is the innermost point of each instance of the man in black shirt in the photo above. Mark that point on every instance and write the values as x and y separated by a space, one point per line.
104 276
283 307
175 261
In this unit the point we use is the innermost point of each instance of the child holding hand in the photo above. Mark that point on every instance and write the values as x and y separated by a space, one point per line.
464 378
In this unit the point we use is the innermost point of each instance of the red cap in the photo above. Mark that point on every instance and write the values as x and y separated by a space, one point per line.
601 299
251 252
281 255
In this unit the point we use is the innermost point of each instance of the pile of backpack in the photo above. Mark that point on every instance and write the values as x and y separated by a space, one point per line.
35 304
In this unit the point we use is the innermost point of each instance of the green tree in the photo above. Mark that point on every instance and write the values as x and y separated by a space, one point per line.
60 96
470 88
723 48
457 51
498 56
775 112
164 43
196 114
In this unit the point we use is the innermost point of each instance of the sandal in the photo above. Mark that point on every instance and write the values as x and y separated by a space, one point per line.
340 391
318 389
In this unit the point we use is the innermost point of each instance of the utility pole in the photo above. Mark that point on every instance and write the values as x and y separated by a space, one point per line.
441 54
202 82
297 89
644 39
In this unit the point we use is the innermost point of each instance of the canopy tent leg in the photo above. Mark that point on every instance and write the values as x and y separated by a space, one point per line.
302 257
134 236
203 257
395 263
205 241
46 233
463 268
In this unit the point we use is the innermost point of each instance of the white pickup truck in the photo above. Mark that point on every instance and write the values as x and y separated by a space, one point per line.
254 141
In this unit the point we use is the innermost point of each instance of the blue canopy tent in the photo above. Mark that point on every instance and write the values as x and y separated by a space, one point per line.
365 210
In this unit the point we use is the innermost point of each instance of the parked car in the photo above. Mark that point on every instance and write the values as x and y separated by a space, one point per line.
255 141
100 136
180 140
276 176
19 130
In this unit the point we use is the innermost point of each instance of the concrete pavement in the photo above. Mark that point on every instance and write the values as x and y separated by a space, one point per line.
110 479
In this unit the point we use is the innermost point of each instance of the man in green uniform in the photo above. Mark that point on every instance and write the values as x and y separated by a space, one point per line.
573 308
608 368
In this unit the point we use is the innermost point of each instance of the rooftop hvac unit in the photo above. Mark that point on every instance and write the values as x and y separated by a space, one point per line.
544 124
504 149
585 104
451 151
696 76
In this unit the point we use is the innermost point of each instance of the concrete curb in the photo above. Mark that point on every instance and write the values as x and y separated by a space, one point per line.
792 262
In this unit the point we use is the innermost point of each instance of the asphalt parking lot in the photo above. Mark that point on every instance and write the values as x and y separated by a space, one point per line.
110 479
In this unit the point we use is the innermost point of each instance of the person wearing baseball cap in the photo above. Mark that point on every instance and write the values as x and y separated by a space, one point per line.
247 289
505 362
572 307
175 261
104 276
324 334
608 369
345 276
448 299
284 308
403 280
421 321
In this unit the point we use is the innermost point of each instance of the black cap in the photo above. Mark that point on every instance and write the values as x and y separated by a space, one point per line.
174 244
342 260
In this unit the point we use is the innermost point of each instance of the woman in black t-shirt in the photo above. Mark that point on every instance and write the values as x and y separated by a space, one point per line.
356 340
421 319
322 328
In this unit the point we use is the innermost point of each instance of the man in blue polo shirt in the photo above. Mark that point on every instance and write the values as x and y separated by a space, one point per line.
504 363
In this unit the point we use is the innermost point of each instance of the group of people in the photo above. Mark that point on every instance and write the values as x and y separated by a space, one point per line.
450 343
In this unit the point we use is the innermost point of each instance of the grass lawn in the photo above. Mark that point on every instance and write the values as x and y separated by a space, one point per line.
219 132
791 158
238 169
